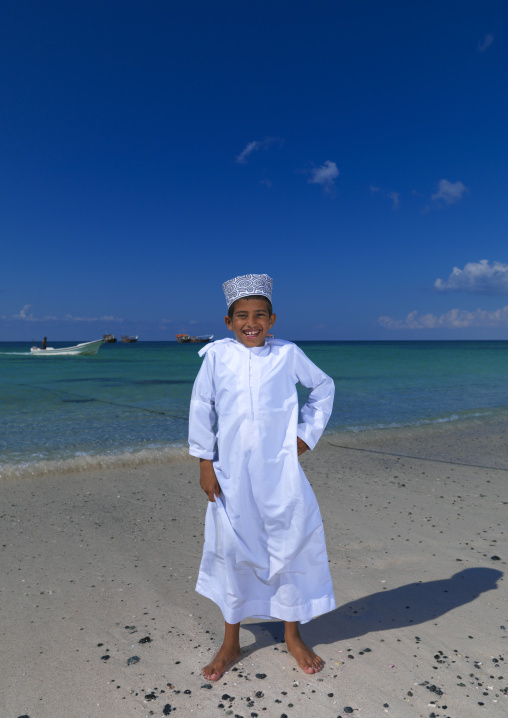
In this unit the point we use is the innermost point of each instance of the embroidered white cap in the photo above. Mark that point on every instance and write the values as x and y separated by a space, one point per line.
248 285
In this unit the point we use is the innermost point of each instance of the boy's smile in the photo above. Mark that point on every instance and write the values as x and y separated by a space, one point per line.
251 321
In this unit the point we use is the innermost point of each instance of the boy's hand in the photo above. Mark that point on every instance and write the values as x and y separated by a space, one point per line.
301 446
208 480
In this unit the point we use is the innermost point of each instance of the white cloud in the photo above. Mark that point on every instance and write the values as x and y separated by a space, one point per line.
325 175
249 149
394 196
477 277
23 312
454 319
450 192
105 318
485 43
254 146
25 316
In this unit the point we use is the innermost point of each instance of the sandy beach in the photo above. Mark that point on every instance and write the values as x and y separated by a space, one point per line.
100 617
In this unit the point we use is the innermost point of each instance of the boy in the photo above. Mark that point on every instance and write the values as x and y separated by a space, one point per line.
264 554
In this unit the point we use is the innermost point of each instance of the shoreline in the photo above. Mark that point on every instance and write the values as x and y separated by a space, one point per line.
95 562
470 428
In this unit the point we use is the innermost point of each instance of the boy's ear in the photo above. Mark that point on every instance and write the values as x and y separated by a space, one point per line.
229 323
273 317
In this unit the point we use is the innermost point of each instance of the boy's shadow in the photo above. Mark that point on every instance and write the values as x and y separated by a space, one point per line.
396 608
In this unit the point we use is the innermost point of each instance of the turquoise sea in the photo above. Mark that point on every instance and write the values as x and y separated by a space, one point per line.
130 402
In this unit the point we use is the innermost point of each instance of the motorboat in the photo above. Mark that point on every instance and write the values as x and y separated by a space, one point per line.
87 348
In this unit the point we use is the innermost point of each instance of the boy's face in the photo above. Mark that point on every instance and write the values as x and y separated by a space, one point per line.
250 322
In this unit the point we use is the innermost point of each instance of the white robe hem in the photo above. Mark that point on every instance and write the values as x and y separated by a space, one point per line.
269 610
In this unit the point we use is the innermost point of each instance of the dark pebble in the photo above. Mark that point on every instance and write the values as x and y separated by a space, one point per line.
150 697
146 639
283 715
348 709
105 658
350 656
225 697
495 558
220 705
133 659
25 716
259 694
206 685
166 710
386 705
260 675
187 692
330 695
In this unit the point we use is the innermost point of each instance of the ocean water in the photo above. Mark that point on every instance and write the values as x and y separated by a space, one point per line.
130 402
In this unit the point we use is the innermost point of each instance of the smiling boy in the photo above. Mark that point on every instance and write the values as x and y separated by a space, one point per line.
264 554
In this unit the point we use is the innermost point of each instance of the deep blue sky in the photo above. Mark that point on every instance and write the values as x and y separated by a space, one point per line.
355 150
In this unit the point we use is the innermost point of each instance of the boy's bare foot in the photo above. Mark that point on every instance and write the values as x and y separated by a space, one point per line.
224 658
308 661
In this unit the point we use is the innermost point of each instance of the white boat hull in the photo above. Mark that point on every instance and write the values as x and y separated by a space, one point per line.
87 348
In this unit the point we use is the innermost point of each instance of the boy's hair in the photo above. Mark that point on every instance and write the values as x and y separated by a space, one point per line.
231 309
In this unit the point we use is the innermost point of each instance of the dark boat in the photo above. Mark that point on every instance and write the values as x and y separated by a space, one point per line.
128 340
188 339
108 338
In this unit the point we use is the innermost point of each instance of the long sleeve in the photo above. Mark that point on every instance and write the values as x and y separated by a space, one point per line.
317 410
202 438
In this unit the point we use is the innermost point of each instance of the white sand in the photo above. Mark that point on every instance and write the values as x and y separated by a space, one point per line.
410 541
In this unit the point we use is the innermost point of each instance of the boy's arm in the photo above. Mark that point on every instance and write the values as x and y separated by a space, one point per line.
317 410
202 439
301 446
208 480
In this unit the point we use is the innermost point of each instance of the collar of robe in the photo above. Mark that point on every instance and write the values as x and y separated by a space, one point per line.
259 351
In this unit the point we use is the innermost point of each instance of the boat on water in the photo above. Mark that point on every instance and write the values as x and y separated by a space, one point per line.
108 338
188 339
87 348
128 340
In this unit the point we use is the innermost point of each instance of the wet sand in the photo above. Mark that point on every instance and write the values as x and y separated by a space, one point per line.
100 617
